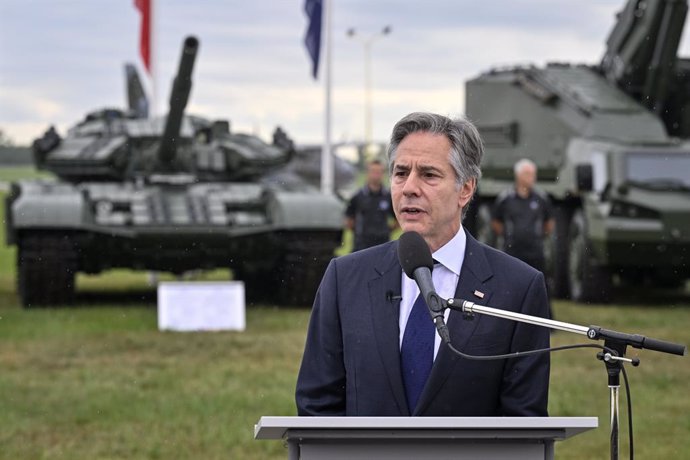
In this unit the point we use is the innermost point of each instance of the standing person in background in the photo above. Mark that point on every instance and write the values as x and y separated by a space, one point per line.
369 211
523 217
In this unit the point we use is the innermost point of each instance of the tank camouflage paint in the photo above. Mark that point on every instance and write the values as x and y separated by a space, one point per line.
172 194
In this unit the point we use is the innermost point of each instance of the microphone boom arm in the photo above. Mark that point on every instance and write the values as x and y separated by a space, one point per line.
615 344
592 332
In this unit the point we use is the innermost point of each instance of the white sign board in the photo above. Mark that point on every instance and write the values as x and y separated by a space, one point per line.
201 306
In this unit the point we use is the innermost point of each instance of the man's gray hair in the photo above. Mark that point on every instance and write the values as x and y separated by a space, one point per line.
466 148
522 163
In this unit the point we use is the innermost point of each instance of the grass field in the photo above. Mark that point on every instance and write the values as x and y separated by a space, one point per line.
9 173
99 381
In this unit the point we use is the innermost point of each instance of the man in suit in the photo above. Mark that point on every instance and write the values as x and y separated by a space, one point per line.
369 349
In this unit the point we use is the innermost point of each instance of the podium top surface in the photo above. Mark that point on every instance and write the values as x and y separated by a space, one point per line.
277 427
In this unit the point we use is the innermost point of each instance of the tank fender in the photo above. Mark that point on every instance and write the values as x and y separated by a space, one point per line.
48 206
305 209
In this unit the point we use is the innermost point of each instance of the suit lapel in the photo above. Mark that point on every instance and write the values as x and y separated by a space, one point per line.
474 276
385 314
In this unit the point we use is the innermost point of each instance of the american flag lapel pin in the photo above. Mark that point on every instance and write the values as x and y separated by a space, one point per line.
479 294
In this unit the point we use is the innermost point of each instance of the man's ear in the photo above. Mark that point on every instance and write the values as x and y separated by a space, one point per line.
466 192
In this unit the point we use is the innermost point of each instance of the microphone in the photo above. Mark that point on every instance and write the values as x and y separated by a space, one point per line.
415 258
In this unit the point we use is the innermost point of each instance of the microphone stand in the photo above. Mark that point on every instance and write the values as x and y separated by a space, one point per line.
614 342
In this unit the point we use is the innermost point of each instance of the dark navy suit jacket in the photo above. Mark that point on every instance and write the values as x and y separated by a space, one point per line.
351 362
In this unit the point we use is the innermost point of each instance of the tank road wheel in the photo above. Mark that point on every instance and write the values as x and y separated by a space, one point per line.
588 282
256 284
46 269
556 252
299 275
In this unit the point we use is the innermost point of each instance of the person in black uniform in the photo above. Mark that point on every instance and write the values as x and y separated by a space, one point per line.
370 209
523 217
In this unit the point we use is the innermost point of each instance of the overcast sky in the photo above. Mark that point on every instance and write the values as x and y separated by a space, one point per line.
60 59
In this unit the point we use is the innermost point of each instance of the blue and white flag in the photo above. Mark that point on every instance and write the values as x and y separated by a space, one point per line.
312 40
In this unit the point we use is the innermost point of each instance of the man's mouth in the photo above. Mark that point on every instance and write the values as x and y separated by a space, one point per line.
411 210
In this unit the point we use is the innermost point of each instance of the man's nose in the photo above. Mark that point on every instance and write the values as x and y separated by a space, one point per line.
412 184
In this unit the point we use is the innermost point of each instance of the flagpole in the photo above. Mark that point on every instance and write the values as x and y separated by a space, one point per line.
154 58
326 155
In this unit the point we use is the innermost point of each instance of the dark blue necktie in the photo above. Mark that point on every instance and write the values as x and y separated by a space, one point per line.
417 351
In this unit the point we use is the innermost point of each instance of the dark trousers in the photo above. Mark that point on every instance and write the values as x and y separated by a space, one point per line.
535 261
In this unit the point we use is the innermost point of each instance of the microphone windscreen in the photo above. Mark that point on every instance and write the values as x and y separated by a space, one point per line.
413 252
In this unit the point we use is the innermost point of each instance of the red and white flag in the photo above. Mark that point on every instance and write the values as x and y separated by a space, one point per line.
144 7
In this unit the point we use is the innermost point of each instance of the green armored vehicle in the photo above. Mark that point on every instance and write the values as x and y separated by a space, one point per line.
171 194
611 142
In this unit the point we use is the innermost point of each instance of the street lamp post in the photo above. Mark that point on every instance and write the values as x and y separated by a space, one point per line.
367 41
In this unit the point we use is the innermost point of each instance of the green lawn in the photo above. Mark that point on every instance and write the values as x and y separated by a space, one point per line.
102 382
13 172
99 381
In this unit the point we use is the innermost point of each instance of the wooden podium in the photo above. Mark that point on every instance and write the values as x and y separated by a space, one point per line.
414 438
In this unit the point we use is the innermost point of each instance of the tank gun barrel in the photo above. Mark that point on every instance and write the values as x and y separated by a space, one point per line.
182 86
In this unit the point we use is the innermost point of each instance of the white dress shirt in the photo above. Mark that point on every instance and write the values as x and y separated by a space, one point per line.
445 277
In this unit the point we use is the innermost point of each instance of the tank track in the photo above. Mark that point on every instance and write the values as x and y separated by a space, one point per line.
295 277
46 269
298 276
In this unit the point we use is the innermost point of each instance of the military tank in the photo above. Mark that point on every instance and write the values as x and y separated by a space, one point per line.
611 142
170 194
